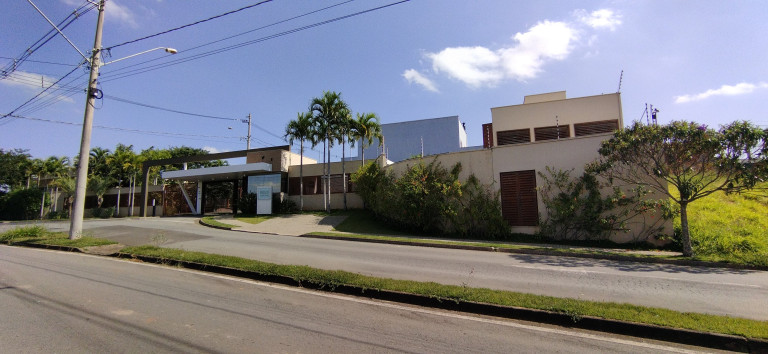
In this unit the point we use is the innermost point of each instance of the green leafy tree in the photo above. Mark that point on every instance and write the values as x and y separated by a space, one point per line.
300 129
694 160
99 163
13 167
99 186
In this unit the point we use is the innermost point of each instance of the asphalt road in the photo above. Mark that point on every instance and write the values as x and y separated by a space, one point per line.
732 292
65 302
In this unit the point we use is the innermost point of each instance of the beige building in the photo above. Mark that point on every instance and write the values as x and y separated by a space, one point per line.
546 130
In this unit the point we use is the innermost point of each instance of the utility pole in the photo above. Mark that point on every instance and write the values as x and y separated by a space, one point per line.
76 219
248 142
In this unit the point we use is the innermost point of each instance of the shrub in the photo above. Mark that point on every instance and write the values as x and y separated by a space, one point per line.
22 204
103 213
430 198
247 204
577 208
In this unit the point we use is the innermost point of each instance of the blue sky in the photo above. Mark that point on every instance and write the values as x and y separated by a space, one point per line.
703 61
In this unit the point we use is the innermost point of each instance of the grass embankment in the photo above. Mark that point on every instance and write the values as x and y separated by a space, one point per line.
209 220
730 228
572 307
37 234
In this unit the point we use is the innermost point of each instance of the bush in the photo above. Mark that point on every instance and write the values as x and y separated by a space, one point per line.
103 213
58 215
247 204
430 198
580 209
286 206
22 204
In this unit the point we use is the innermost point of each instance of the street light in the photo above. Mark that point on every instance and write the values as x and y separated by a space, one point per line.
167 50
76 219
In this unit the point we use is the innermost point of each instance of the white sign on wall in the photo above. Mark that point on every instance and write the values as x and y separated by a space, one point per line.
263 200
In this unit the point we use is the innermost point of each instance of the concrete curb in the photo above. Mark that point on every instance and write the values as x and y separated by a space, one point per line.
544 252
683 336
201 222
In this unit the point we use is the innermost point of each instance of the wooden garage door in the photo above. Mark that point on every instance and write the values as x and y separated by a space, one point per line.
519 204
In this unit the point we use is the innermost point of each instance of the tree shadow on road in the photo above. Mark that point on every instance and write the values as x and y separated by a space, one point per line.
625 266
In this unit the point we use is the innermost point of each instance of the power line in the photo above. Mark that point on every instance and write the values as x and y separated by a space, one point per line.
167 109
188 25
243 44
189 113
236 35
41 62
11 67
41 92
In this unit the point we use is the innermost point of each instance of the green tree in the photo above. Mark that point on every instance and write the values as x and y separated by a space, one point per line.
99 186
693 159
13 164
67 187
300 129
366 128
329 111
99 162
55 168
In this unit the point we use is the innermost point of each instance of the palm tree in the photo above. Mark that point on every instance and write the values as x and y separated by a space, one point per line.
67 186
57 167
99 186
367 128
99 162
345 127
331 109
300 129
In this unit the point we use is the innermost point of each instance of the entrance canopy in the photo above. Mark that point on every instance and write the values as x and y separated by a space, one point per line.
221 173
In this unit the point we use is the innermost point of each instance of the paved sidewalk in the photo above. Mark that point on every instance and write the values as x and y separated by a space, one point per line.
289 225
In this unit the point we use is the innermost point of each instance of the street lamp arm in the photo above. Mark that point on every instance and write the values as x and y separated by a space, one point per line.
167 50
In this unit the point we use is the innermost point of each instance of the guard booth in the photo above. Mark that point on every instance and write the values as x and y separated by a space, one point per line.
260 184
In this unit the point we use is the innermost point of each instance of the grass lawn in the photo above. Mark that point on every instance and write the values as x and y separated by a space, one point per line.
209 220
253 219
573 307
40 235
731 228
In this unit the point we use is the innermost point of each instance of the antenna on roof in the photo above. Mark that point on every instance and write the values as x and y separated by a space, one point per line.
621 78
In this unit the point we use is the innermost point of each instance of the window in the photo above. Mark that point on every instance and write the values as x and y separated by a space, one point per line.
517 136
519 202
268 180
591 128
552 133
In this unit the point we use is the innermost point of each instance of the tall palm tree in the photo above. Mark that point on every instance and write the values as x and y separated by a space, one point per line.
367 128
300 129
56 167
333 110
345 126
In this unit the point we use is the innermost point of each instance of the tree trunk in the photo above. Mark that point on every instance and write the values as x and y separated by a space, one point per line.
301 177
685 235
42 203
343 170
328 179
322 183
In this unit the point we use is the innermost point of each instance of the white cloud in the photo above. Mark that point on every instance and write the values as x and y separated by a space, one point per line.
34 83
414 76
120 13
599 19
480 66
113 11
211 150
475 66
725 90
